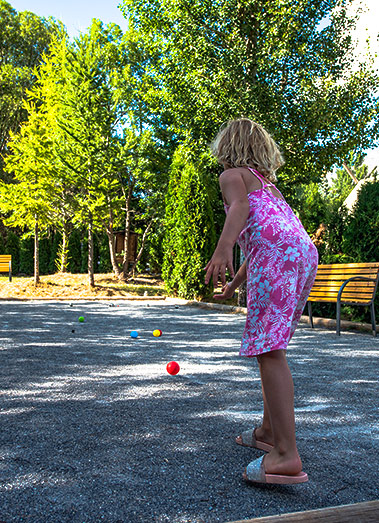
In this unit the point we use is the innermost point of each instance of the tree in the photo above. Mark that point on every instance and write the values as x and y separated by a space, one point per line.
361 232
28 201
87 146
189 226
211 61
96 155
24 38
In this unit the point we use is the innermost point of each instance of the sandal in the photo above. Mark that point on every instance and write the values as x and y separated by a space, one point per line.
255 473
248 440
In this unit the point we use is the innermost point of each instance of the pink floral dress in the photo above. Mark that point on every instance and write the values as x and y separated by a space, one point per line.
281 268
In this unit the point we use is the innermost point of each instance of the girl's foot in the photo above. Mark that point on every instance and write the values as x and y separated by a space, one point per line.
288 463
256 472
260 435
249 438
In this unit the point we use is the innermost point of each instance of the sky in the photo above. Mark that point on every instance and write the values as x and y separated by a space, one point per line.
75 15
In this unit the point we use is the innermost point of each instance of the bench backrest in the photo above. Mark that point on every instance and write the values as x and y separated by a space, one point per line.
329 279
4 262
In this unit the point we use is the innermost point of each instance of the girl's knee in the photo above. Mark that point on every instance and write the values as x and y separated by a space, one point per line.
275 355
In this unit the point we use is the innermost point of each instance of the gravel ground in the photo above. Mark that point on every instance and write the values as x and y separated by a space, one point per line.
92 427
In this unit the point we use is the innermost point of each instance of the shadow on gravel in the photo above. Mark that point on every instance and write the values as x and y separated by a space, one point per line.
93 428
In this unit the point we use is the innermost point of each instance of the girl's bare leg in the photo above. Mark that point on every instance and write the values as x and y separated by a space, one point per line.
279 393
264 432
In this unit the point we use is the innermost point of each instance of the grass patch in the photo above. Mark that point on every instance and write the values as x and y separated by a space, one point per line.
71 286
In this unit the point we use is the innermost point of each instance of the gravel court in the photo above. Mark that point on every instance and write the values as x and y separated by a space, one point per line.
92 428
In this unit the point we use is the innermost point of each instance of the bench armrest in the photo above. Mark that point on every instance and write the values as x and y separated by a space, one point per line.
355 278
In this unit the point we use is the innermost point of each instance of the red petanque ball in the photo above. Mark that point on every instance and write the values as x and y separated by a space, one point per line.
173 368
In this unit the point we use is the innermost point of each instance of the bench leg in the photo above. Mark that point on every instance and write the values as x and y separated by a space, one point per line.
373 319
310 313
338 318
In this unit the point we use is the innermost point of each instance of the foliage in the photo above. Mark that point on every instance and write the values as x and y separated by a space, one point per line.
55 252
82 154
28 202
152 259
74 249
335 221
312 211
26 255
12 247
207 62
104 263
24 38
189 230
2 245
30 196
343 183
44 255
361 234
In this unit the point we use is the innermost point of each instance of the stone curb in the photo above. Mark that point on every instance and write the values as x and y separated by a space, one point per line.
95 298
327 323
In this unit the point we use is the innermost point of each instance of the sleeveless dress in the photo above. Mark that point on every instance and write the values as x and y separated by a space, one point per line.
281 269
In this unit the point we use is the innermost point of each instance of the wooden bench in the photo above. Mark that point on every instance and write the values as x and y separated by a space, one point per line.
6 264
366 512
348 283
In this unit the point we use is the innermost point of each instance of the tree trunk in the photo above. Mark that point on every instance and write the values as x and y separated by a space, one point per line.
36 252
111 243
125 262
143 242
350 173
64 253
91 278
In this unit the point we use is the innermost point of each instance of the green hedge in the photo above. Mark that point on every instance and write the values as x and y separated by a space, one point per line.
189 227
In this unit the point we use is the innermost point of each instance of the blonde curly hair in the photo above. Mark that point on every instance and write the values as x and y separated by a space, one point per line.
245 143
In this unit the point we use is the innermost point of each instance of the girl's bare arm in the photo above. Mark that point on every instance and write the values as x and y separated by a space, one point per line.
234 191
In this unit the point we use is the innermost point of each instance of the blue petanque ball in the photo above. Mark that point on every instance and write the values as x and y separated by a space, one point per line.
134 334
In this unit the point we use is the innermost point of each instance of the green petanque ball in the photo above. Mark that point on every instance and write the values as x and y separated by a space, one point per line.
81 319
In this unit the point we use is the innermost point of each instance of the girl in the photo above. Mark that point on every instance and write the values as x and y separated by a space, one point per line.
280 267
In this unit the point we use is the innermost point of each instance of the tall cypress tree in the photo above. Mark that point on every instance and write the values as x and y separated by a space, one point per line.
190 233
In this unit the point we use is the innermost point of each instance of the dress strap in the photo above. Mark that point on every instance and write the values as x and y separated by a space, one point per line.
264 183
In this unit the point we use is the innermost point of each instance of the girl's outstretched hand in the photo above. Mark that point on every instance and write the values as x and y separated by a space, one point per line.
227 293
217 266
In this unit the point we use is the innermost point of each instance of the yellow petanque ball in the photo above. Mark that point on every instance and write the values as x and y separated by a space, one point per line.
157 333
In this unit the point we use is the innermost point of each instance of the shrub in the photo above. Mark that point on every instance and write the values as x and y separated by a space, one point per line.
74 252
12 246
189 227
104 263
27 256
361 236
55 252
44 255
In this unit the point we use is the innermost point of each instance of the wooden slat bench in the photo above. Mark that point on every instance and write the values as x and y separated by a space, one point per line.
6 264
348 283
366 512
